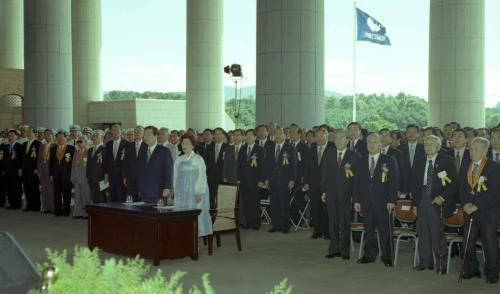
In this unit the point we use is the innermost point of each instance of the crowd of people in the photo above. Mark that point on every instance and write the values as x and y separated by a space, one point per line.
344 172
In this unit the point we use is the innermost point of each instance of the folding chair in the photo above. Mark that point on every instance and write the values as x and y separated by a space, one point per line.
360 227
454 221
299 202
265 204
404 214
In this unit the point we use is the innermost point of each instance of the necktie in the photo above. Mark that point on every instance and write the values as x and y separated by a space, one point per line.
457 160
412 154
277 154
430 174
383 151
115 148
320 154
497 157
217 151
372 166
137 147
237 151
148 154
11 147
474 170
339 159
352 145
249 150
28 147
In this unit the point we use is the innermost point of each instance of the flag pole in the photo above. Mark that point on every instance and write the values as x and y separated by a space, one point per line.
354 65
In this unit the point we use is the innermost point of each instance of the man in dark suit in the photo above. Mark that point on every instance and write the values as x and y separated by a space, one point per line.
12 164
494 151
312 184
214 160
30 176
95 167
479 195
229 169
202 147
395 153
155 168
410 151
250 176
61 159
3 156
356 142
114 158
434 185
280 174
336 191
375 195
459 153
302 149
130 171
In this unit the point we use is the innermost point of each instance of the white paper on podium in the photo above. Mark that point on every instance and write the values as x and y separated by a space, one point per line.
103 186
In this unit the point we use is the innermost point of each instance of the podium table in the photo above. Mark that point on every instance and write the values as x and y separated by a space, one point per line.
143 230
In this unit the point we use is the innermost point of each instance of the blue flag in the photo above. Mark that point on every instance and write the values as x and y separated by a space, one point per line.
369 29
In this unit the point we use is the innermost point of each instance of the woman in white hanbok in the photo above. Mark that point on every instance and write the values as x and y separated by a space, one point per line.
190 184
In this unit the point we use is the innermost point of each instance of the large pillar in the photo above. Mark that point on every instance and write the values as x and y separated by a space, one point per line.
290 62
86 42
47 77
456 62
11 34
204 69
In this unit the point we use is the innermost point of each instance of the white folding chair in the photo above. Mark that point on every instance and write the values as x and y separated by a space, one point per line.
303 221
264 214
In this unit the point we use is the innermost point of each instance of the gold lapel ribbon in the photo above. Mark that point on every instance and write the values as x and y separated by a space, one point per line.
481 185
13 156
253 163
1 154
474 181
285 159
99 157
385 173
348 171
33 152
123 154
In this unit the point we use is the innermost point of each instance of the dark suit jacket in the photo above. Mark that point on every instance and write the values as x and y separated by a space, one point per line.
95 165
11 166
249 175
371 192
230 164
406 164
360 147
398 156
487 202
61 168
156 174
312 174
30 159
113 165
214 167
130 167
278 172
302 153
465 158
333 178
448 192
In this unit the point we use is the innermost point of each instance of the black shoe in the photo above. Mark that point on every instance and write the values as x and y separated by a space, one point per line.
421 268
388 263
57 214
332 255
27 209
346 257
365 259
77 217
10 207
315 236
441 273
326 237
470 276
272 230
286 231
492 280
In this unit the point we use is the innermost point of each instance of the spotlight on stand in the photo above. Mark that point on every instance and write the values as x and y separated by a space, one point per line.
234 70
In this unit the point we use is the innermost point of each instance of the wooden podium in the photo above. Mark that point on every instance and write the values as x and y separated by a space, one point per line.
143 230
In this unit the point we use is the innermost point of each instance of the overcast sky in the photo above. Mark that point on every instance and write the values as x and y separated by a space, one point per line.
144 45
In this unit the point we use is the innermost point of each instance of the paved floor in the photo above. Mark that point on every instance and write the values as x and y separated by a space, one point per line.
265 260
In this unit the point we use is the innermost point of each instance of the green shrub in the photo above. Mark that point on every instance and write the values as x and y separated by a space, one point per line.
88 275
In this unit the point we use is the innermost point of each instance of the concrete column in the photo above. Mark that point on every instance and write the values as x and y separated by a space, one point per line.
204 68
456 62
87 44
11 34
48 98
290 62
